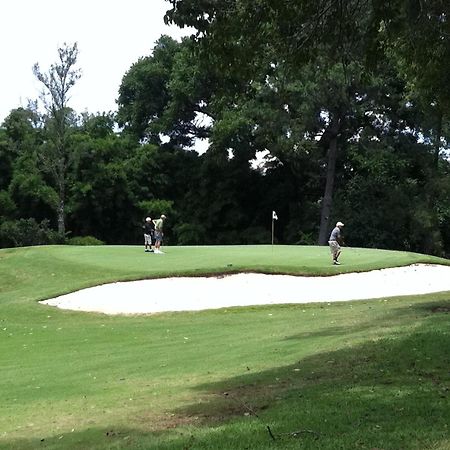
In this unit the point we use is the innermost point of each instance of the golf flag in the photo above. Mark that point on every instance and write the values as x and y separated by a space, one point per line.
274 215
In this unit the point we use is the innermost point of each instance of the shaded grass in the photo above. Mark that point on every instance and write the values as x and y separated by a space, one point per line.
368 374
387 392
381 379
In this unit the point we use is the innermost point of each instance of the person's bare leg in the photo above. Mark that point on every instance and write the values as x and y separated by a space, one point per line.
336 256
158 247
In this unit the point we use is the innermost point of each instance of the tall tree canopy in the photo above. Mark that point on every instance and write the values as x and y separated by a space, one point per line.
56 155
321 110
336 53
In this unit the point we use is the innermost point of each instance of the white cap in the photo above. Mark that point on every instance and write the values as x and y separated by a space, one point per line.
339 224
163 216
148 219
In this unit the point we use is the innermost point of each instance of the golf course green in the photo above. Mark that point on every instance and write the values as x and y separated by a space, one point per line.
362 374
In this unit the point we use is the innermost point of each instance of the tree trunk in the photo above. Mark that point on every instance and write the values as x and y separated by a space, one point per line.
437 144
327 201
61 224
61 215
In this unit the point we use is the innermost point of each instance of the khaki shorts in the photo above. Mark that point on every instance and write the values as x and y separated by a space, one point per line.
334 247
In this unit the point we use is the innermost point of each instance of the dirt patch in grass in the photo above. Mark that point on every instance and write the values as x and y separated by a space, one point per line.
441 309
435 307
246 400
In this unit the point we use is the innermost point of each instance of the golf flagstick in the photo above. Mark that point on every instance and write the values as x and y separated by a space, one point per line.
274 217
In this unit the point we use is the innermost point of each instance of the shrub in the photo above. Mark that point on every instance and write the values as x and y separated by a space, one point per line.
84 240
255 235
26 232
189 234
7 206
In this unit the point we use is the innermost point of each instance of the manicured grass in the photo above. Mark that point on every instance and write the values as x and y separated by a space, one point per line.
367 374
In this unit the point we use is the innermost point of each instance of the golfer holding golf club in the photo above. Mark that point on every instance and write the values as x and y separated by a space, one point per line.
159 223
335 242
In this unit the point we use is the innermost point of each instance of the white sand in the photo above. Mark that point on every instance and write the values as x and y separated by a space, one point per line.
198 293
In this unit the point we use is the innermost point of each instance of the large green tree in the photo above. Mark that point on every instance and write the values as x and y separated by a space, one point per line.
317 45
55 154
332 51
25 184
163 94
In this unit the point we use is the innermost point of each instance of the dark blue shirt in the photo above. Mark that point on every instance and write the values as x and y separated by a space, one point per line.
149 227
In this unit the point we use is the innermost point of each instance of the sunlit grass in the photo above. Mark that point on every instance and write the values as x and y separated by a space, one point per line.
367 374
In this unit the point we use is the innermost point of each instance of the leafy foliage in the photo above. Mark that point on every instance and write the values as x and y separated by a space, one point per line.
84 240
322 111
26 232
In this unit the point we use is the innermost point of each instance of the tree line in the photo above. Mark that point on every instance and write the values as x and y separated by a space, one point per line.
343 104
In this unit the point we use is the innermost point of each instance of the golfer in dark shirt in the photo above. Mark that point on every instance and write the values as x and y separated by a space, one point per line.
149 233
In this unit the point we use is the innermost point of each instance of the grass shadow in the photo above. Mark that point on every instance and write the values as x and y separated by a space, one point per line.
385 393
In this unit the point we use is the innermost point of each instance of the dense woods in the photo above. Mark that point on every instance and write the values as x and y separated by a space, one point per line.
320 110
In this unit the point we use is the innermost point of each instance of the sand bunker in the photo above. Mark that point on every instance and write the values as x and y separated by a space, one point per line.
245 289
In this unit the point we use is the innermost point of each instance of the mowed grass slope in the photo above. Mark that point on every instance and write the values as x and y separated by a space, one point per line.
367 374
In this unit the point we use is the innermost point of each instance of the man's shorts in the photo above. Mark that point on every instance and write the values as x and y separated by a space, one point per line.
158 236
148 239
334 247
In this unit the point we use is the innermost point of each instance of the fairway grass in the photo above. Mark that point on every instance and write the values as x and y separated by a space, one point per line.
362 374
